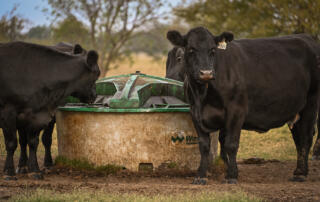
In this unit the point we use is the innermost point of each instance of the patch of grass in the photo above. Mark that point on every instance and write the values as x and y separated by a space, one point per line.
49 196
40 152
83 164
143 63
172 165
218 167
275 144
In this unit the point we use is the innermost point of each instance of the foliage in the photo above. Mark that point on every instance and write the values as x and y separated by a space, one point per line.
153 39
39 32
111 23
72 31
11 26
255 18
80 195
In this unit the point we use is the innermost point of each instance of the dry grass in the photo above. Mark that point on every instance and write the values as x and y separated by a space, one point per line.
142 63
275 144
84 195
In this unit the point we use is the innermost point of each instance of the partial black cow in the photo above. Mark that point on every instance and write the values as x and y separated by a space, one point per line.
252 84
174 65
35 80
176 70
48 130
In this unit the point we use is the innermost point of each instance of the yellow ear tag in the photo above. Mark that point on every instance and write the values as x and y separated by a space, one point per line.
222 45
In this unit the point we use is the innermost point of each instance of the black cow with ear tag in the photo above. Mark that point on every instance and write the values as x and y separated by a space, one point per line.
251 84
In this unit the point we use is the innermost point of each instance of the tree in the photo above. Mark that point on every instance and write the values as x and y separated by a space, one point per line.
255 18
11 26
71 30
39 32
111 23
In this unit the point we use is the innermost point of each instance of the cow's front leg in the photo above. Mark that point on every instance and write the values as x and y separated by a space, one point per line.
22 166
11 146
231 144
204 146
33 167
8 119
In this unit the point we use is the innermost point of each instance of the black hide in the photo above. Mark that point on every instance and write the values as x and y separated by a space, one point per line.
35 79
257 84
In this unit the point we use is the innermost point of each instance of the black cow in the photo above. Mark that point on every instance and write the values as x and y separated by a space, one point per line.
175 69
48 130
174 65
35 79
252 84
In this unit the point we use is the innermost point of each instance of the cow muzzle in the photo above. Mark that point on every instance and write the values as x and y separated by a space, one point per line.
206 75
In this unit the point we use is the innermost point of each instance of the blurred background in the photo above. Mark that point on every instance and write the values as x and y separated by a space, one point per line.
130 35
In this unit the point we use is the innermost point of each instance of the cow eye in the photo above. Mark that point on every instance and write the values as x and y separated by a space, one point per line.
179 59
191 50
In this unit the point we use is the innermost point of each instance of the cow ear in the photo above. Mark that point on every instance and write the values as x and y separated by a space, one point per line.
225 36
176 38
92 58
77 49
223 39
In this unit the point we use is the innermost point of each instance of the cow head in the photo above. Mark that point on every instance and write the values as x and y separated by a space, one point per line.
175 64
86 84
69 48
200 51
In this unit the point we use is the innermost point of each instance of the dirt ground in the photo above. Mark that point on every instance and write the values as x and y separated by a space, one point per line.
268 180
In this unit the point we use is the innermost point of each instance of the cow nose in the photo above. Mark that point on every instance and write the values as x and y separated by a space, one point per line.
206 74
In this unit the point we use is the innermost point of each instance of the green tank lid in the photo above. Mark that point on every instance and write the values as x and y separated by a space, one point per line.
135 92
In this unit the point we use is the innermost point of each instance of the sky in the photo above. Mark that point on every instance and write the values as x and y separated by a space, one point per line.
30 9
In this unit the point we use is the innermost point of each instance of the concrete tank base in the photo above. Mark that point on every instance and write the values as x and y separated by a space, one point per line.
129 139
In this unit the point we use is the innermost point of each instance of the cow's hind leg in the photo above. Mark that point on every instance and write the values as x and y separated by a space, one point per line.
47 142
223 155
302 134
33 167
22 166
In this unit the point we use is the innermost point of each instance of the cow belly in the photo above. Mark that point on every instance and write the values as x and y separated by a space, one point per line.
274 112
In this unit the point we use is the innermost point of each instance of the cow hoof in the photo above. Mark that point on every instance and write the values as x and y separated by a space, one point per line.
314 157
22 170
199 181
230 181
46 170
298 178
9 177
36 176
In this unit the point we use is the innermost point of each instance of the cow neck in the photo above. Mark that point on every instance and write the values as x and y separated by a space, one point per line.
200 96
196 94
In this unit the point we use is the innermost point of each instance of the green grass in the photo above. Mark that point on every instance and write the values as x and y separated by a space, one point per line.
80 196
82 164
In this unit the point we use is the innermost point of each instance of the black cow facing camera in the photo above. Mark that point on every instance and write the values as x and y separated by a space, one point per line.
35 79
252 84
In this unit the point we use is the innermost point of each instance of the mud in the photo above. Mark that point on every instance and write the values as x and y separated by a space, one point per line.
268 180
